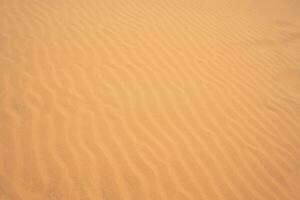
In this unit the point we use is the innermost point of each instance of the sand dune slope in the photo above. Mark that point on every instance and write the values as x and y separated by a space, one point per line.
156 99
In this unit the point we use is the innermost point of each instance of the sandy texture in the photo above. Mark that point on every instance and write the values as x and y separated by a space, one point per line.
149 100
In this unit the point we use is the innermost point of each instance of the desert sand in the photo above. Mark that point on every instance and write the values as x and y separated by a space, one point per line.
149 100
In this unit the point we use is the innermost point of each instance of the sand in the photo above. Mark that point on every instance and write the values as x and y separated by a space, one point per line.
149 100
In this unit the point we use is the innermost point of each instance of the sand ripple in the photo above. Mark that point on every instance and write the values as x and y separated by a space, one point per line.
149 100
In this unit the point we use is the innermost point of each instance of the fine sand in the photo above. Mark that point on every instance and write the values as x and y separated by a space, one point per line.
149 100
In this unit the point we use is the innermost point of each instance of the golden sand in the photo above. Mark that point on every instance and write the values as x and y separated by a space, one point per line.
149 100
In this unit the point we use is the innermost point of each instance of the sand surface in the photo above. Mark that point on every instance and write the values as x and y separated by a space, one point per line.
149 100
